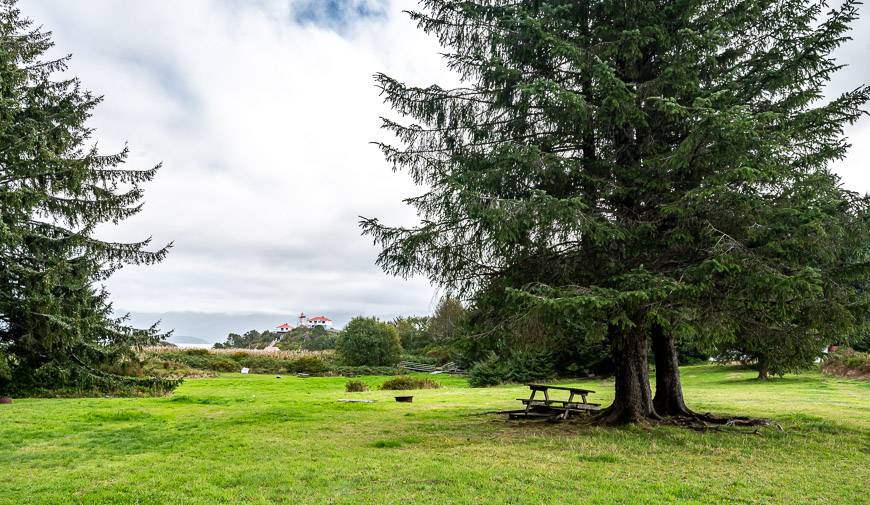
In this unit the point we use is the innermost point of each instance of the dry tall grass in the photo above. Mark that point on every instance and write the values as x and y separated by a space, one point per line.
254 352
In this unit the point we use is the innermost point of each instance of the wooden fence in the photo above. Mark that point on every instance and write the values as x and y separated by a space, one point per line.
450 368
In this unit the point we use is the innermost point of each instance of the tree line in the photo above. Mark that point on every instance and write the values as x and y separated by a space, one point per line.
369 341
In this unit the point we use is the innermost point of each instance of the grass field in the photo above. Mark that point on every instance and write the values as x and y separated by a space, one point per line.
258 439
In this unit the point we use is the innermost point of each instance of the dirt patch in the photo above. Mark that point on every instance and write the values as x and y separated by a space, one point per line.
848 364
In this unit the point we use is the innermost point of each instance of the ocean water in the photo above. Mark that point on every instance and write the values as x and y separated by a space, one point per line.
183 345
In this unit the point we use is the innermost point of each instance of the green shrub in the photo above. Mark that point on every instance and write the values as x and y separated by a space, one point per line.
356 386
354 371
518 366
861 344
367 341
408 382
529 365
155 365
489 371
190 359
224 365
308 364
265 364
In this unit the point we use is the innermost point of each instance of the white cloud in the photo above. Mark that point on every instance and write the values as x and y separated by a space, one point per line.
263 125
855 54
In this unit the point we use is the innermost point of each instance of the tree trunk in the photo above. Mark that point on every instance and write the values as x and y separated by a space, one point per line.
668 400
632 402
763 369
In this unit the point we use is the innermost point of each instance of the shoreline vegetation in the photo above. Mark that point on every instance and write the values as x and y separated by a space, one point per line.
283 354
194 363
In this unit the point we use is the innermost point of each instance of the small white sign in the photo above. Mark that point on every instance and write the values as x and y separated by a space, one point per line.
245 370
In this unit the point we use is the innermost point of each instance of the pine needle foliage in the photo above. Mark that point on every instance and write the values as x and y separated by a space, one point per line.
57 328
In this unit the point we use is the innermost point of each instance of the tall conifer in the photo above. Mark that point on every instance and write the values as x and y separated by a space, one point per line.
636 171
57 328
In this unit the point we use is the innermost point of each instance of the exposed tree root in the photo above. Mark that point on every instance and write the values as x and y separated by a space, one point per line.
614 416
618 416
710 422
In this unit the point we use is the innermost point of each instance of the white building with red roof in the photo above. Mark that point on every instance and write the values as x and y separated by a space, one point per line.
311 322
284 328
320 321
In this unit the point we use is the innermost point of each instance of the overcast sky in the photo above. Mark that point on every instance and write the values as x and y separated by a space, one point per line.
262 113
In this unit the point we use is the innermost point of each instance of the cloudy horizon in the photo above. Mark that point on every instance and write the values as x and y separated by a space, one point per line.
262 114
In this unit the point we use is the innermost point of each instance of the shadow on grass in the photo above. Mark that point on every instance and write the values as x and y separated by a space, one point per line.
772 382
119 416
393 443
129 440
205 400
268 417
599 458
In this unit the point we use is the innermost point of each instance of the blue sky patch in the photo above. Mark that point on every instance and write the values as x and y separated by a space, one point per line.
337 14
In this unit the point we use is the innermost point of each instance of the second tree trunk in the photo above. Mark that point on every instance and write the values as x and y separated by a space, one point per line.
668 400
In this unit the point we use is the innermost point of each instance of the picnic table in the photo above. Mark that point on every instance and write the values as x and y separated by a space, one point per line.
548 407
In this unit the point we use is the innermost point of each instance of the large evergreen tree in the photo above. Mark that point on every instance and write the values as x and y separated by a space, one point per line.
57 329
635 172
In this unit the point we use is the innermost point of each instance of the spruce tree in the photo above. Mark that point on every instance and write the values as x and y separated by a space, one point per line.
57 328
635 172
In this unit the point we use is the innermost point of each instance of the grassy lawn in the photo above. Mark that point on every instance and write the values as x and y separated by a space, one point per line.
258 439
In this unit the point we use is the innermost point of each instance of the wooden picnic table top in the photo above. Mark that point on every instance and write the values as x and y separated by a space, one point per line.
547 402
544 387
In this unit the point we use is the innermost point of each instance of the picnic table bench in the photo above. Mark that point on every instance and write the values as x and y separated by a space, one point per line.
548 407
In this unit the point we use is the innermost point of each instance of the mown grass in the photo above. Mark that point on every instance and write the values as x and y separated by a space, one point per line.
261 440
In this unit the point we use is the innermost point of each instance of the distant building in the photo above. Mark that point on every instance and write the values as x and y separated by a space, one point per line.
311 322
320 321
284 328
